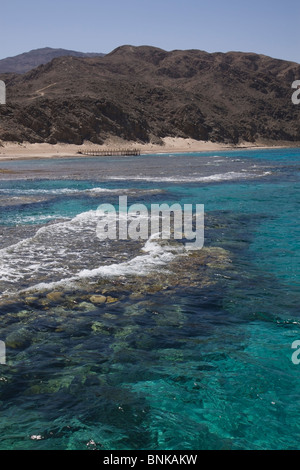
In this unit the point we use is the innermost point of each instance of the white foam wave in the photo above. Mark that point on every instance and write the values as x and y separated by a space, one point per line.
231 175
155 256
14 193
35 219
102 190
69 251
58 191
16 260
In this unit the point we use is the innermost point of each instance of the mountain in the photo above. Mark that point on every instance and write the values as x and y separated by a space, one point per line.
22 63
145 93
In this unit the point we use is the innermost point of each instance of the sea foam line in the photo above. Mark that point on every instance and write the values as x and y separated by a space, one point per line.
55 192
232 175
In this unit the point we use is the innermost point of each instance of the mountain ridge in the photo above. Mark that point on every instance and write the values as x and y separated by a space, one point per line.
144 93
26 61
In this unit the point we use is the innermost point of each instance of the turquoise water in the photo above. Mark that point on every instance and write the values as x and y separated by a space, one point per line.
192 353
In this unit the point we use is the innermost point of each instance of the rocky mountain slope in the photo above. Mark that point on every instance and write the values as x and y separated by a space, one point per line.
145 93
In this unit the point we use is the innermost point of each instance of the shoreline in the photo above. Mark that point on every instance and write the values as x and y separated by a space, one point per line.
22 151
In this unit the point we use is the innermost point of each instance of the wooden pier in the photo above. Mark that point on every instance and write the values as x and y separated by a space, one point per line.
110 152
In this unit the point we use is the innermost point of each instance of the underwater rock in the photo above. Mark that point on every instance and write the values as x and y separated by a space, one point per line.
121 350
51 386
18 339
23 314
6 303
137 309
220 258
111 300
99 327
136 295
98 299
31 299
126 331
175 317
87 306
55 296
110 316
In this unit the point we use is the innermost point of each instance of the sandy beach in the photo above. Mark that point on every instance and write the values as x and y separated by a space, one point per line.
26 150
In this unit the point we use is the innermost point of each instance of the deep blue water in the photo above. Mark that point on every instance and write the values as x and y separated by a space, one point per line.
197 358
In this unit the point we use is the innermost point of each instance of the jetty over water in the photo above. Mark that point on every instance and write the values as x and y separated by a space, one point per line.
110 152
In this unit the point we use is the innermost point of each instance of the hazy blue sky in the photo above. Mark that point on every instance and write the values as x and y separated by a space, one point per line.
269 27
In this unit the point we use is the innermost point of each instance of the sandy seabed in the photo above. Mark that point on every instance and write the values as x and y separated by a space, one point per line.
15 150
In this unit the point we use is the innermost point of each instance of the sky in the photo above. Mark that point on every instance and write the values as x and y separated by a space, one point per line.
269 27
